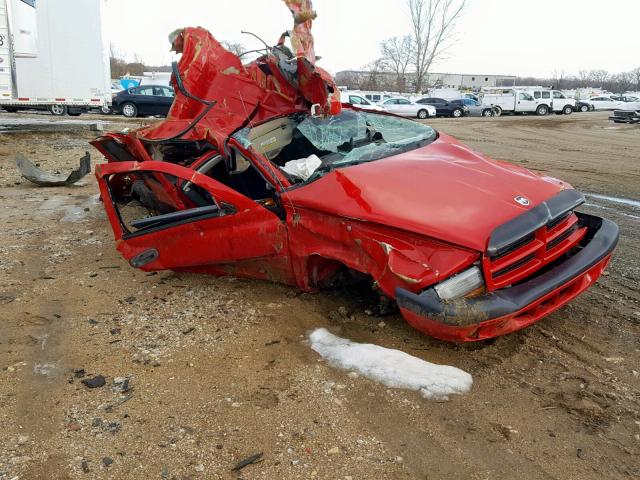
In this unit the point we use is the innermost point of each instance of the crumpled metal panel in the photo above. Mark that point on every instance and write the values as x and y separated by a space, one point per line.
277 83
45 179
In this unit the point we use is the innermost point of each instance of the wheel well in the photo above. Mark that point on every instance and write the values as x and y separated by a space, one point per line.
326 273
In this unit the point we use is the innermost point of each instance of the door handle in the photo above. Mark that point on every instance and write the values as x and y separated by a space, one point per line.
144 258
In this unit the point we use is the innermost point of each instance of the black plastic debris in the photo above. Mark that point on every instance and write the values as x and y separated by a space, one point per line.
46 179
247 461
95 382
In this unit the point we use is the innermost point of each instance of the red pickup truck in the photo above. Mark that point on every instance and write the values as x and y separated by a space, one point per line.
239 182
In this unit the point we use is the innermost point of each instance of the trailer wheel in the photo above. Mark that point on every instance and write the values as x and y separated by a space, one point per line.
422 114
497 111
58 110
10 109
584 108
567 110
542 110
129 110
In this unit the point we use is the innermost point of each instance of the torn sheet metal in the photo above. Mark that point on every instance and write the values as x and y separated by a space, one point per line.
217 95
46 179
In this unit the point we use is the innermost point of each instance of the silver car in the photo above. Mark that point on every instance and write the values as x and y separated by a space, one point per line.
476 109
407 108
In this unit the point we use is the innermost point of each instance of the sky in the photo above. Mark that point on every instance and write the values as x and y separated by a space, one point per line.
500 37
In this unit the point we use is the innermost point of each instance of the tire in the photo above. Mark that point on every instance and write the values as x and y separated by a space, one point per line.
422 114
129 110
58 110
584 108
11 109
567 110
105 110
497 111
542 110
457 113
74 114
488 112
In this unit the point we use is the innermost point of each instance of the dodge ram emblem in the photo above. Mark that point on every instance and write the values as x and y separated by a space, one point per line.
522 201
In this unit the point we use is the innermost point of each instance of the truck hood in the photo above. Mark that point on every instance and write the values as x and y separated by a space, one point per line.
443 190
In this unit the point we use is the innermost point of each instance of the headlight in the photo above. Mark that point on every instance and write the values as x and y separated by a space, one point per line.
461 284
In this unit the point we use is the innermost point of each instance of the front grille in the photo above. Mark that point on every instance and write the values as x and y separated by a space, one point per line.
625 114
525 256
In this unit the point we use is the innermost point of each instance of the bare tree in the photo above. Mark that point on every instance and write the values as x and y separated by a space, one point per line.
397 54
621 82
598 77
433 23
377 77
635 73
583 77
558 79
234 47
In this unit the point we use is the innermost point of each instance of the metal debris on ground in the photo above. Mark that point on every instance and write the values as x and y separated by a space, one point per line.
45 179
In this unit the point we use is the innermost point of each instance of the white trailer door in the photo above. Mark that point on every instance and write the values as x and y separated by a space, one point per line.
6 67
24 27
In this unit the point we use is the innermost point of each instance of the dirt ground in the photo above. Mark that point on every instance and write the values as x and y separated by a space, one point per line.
220 369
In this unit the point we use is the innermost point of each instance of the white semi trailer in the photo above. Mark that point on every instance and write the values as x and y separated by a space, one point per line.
53 56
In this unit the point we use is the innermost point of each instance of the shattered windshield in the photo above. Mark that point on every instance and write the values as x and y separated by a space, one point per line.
307 147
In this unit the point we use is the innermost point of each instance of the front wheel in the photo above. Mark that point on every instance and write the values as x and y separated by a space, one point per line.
487 112
422 114
567 110
542 110
457 113
584 108
129 110
58 110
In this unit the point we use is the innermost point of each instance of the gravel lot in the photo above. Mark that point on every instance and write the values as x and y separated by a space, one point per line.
202 372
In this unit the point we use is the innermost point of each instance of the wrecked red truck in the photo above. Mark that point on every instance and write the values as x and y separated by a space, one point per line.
259 172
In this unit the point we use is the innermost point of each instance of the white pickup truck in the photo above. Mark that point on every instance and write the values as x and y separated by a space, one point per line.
538 100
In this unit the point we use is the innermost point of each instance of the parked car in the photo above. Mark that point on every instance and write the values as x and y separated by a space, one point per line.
583 106
629 113
476 109
625 98
445 108
144 100
359 101
603 102
406 108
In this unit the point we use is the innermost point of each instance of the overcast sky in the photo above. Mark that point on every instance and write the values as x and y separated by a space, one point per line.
508 37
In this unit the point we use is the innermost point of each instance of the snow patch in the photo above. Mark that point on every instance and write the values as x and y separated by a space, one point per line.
391 368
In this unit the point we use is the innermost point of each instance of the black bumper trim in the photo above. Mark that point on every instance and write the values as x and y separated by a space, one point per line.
530 221
604 238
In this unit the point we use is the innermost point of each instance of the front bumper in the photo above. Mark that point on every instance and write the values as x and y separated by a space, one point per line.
625 119
516 307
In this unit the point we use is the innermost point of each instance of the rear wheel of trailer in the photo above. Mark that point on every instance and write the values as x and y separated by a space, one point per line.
58 110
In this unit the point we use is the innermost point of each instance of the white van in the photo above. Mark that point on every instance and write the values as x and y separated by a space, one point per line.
555 100
358 99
